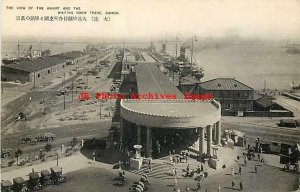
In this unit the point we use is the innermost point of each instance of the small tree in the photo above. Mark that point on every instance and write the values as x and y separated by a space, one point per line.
48 147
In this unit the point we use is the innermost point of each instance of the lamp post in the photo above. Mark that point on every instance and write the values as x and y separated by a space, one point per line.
64 93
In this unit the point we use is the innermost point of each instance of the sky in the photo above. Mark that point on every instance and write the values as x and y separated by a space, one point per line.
278 19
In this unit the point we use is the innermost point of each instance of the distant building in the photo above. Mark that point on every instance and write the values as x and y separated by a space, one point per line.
31 70
232 94
266 103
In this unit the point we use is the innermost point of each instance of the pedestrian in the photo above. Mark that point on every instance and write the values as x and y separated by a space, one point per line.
245 161
219 188
94 156
255 169
238 158
150 168
240 170
120 165
188 167
258 156
206 190
175 172
198 186
233 184
187 189
232 171
202 169
241 186
262 160
175 182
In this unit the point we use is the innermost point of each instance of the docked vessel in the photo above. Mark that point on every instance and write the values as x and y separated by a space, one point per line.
27 54
292 48
180 64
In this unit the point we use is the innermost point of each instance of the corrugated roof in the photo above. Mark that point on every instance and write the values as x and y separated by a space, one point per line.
265 101
228 84
151 79
44 62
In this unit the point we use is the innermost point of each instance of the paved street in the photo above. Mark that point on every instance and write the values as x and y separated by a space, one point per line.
99 177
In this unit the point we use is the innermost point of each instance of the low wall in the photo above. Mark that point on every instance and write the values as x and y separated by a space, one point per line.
260 113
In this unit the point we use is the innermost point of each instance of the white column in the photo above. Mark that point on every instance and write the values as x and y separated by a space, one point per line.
209 140
200 131
218 126
215 133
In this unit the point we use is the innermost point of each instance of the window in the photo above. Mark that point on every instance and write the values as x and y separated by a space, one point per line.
38 75
48 71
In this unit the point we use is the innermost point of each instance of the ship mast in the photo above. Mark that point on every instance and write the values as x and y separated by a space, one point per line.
176 48
18 49
192 50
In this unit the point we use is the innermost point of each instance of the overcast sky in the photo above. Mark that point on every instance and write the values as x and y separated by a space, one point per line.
156 18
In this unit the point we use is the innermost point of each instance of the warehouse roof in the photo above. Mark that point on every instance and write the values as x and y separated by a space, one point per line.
227 84
265 101
44 62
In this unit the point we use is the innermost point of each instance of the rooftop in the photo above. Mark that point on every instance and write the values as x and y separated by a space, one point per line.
228 84
171 108
151 80
265 101
44 62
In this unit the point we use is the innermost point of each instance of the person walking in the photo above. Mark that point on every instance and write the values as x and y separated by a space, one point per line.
150 168
187 189
255 168
233 184
202 169
240 170
245 161
241 186
198 186
232 171
175 182
219 188
258 156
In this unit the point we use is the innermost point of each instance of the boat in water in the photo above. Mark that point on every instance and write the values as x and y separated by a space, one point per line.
27 54
292 48
179 64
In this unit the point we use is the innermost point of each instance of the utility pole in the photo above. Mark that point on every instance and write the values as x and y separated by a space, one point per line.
64 100
2 87
87 80
100 108
34 79
57 159
72 90
64 81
